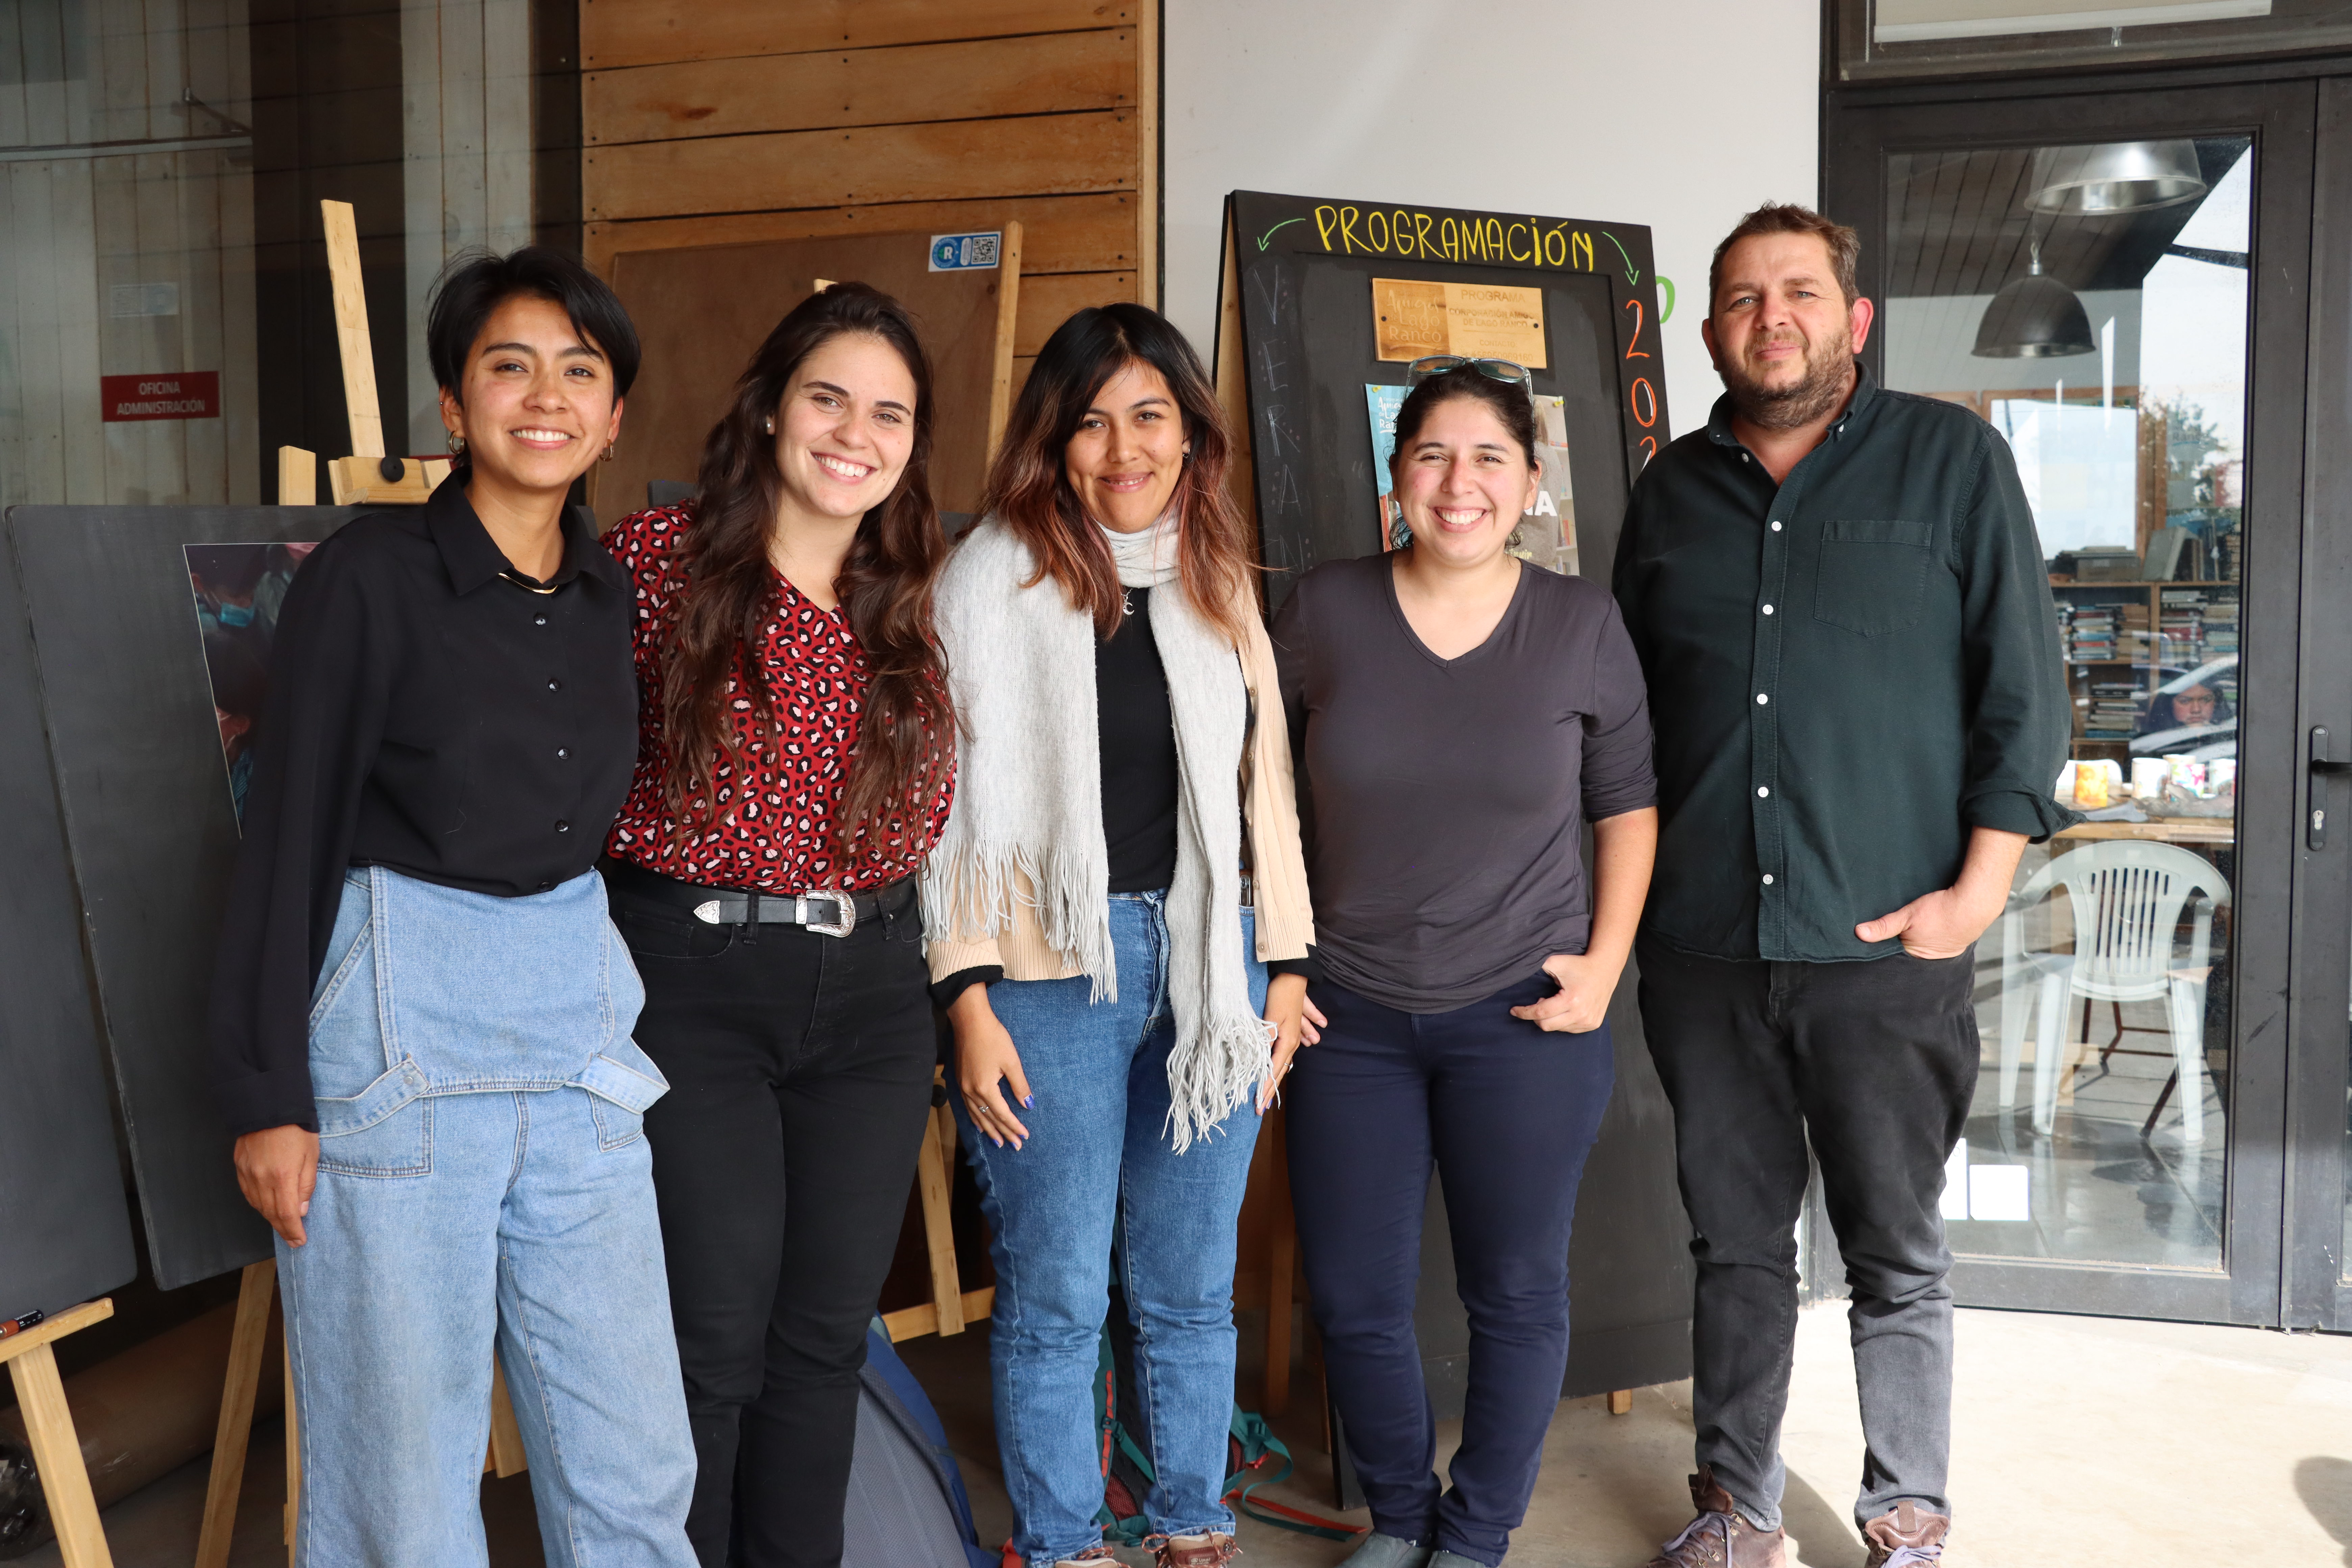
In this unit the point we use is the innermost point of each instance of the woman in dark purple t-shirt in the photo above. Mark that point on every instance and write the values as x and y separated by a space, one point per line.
1457 718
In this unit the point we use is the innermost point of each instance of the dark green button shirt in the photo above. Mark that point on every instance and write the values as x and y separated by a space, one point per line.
1848 672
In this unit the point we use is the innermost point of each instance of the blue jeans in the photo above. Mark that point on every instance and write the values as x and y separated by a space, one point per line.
484 1187
1506 1114
1098 1170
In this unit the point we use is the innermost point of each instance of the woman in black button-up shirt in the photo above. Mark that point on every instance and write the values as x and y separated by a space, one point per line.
421 1012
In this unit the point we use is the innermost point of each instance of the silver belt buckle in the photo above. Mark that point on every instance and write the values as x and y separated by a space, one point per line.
842 924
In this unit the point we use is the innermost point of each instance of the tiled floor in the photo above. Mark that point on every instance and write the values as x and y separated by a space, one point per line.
2077 1440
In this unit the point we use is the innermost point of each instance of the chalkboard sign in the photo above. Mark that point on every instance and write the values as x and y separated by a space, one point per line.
139 727
1301 330
1324 304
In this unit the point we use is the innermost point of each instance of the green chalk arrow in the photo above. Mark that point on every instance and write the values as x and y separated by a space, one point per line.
1278 228
1632 275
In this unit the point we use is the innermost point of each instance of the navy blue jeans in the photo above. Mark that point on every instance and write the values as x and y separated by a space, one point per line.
1507 1114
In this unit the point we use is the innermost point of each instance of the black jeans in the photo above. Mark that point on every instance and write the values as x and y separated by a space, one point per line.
1507 1113
800 1074
1877 1061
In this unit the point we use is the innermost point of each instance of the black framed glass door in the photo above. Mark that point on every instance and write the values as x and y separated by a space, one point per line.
2119 280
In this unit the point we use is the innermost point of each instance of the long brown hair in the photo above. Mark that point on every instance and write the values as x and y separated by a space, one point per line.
1029 493
905 736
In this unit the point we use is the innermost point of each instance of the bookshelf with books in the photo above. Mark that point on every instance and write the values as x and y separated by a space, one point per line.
2121 641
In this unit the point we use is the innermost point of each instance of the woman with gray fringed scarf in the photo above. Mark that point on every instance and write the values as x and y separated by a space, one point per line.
1119 877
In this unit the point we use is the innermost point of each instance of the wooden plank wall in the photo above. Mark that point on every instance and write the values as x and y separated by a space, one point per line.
709 121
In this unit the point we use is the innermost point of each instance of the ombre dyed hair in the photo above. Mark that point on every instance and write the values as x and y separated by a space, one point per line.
1029 491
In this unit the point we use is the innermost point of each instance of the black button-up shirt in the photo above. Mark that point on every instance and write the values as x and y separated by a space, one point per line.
430 713
1848 672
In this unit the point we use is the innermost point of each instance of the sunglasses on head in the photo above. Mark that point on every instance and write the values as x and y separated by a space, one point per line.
1509 371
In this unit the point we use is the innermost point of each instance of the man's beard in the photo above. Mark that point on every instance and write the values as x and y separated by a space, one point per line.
1828 367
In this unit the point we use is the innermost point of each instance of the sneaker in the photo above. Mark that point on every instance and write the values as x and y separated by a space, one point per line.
1720 1537
1196 1552
1908 1537
1092 1557
1455 1560
1378 1551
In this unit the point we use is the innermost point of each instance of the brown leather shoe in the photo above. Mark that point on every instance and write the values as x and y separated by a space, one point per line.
1907 1537
1720 1537
1197 1551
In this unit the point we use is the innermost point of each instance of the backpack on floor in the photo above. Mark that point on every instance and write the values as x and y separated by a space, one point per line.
906 1506
1255 1457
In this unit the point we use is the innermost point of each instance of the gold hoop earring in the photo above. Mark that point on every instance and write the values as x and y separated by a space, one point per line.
457 445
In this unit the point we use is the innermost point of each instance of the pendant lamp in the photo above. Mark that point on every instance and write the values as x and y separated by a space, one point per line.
2114 177
2033 317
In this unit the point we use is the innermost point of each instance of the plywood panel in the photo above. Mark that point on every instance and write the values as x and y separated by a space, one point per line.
1052 74
614 33
701 311
1046 155
1048 303
1059 234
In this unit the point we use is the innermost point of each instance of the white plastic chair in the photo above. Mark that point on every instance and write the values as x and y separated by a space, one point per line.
2127 896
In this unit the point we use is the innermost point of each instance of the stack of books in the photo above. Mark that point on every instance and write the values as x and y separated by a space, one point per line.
2091 633
2182 626
2222 625
2115 710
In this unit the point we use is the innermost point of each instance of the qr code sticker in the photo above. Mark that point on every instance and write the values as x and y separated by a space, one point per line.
961 252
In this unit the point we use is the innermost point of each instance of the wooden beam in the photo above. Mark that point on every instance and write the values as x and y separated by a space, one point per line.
912 1322
1044 155
352 329
1093 233
1048 303
935 1178
506 1456
298 478
243 1384
616 33
1147 149
32 1360
1621 1402
1008 318
1056 73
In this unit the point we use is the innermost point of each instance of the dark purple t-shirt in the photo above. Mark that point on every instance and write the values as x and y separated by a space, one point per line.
1444 800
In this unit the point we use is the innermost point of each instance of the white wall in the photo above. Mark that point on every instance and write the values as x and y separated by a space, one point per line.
1680 116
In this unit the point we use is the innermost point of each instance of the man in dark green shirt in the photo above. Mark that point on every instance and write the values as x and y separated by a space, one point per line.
1843 612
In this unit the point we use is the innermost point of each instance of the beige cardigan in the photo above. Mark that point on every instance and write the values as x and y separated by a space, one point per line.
1286 920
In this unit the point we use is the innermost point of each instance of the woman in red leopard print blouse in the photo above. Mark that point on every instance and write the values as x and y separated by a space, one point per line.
794 766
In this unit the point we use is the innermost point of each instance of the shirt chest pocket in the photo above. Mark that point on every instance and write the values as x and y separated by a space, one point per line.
1872 577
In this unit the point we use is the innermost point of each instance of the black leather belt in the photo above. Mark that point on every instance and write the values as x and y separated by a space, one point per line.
825 911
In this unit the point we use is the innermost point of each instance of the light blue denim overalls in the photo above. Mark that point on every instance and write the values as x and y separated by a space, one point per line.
483 1180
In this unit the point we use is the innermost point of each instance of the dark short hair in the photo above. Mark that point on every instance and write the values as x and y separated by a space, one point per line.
475 283
1787 217
1508 400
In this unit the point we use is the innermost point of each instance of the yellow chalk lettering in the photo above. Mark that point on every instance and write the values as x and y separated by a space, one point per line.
1323 223
1512 247
1348 230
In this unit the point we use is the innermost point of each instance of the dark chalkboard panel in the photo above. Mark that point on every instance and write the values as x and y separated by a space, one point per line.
1295 343
136 754
65 1227
1295 350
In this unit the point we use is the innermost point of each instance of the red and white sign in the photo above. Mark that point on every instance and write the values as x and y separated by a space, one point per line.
178 394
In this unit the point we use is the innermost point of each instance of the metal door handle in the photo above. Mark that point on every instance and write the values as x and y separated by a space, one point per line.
2321 769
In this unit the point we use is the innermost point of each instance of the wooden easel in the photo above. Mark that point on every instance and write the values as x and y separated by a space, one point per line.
49 1426
950 1306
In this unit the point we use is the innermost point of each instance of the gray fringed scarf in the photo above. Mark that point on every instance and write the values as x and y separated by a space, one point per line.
1028 796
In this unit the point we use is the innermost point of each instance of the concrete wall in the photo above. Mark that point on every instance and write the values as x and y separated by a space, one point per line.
1682 121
